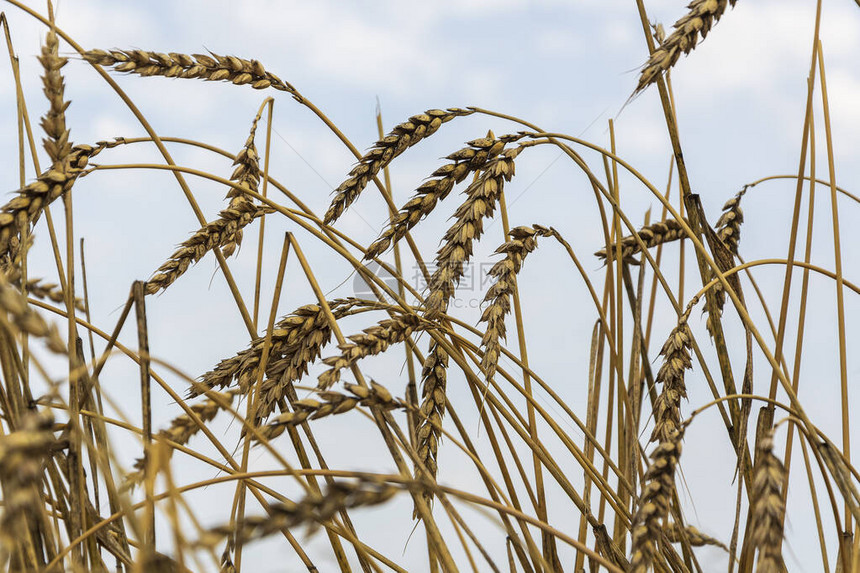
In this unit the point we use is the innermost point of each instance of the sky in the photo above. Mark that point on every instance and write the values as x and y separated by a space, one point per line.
568 67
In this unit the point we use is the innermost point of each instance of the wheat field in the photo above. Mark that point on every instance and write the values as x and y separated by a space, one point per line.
250 323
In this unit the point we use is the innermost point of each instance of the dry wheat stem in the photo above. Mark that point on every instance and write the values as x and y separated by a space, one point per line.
523 240
333 403
210 67
768 508
654 502
225 232
481 199
652 235
701 16
383 152
463 162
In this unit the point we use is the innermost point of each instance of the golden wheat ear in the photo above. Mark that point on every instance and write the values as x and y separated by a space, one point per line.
700 18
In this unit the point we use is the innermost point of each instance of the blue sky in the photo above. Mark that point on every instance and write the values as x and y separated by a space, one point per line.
566 66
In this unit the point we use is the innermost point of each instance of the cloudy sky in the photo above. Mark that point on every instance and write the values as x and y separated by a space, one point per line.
566 66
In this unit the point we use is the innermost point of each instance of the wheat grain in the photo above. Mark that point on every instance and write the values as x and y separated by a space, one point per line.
384 151
465 161
197 66
701 16
481 199
768 508
652 235
654 501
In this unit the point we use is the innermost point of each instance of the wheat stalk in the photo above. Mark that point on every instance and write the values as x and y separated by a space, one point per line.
652 235
701 16
463 162
384 151
197 66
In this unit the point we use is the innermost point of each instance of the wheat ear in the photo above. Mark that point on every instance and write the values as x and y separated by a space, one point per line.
333 403
523 240
654 502
15 306
197 66
22 456
463 162
183 427
371 342
296 341
316 508
434 379
768 508
700 18
225 232
676 360
652 235
481 199
384 151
